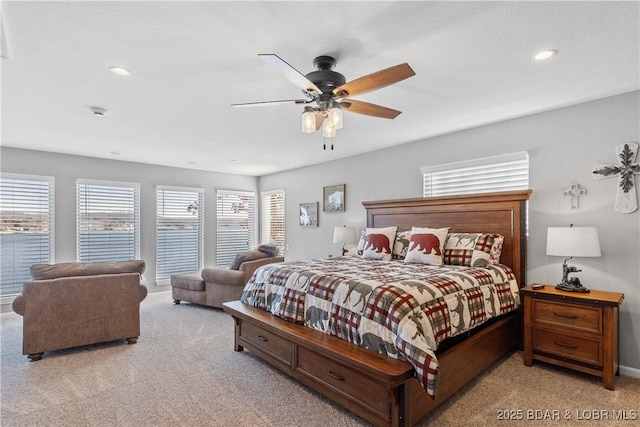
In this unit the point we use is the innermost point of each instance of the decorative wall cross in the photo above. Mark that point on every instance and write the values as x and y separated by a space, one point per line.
574 190
626 198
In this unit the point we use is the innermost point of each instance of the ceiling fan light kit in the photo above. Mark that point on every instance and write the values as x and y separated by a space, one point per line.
326 91
334 115
308 120
328 131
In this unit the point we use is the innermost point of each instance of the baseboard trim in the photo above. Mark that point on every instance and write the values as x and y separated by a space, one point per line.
629 371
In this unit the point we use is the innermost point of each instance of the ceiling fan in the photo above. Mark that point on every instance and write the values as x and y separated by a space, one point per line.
325 92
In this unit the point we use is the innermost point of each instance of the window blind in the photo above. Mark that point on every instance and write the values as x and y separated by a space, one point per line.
489 174
26 228
108 221
179 231
235 224
273 218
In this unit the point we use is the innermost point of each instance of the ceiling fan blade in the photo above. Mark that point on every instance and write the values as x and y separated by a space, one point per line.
374 81
270 103
368 109
293 75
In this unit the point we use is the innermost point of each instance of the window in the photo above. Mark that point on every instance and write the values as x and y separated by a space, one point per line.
26 225
490 174
108 221
236 224
179 231
272 216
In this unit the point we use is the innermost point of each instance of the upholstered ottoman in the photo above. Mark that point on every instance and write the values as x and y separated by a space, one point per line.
188 287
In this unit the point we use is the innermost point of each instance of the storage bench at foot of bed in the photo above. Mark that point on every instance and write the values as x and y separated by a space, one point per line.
366 383
377 388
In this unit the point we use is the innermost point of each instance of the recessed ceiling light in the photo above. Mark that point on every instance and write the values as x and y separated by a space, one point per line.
98 111
545 54
120 71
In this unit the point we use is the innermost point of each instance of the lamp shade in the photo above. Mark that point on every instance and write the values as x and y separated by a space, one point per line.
573 242
344 235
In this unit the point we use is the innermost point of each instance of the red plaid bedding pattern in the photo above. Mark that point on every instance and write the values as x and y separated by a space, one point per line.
401 310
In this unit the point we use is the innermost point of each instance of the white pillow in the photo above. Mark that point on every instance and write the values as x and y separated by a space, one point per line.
378 243
426 246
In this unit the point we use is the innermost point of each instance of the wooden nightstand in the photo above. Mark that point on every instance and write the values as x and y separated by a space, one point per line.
574 330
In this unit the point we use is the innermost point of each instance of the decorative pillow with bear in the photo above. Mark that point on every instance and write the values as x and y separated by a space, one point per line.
378 243
401 245
426 246
473 249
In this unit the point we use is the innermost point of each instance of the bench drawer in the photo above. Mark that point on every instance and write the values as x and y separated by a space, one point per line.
262 340
347 382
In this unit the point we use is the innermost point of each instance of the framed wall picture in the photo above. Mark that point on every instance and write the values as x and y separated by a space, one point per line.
309 214
333 198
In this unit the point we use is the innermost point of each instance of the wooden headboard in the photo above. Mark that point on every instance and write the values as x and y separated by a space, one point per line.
502 213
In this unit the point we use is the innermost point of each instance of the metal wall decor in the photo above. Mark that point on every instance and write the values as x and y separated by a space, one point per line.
626 197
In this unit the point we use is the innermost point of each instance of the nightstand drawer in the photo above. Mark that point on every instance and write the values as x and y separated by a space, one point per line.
580 349
588 319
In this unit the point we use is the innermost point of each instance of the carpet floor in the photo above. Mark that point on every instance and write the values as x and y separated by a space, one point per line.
183 372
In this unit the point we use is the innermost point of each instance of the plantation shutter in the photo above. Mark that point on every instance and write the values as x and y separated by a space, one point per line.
27 228
235 224
179 231
108 221
273 219
490 174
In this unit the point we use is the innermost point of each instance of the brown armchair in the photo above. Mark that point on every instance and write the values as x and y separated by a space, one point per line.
227 285
74 304
214 286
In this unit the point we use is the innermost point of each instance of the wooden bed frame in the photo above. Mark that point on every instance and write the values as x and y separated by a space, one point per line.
380 389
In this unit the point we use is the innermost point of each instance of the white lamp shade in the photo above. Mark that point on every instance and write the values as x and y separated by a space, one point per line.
573 242
344 235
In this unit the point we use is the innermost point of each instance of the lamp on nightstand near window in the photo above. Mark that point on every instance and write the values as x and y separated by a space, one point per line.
569 242
345 235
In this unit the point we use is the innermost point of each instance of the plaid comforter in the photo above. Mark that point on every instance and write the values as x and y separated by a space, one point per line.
401 310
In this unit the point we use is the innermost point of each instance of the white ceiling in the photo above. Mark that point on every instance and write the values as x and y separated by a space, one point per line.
191 60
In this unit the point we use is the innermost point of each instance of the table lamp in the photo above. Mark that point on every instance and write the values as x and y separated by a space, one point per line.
344 235
569 242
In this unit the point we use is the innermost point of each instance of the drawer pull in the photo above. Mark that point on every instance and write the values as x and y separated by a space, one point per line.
561 344
261 338
335 376
568 316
